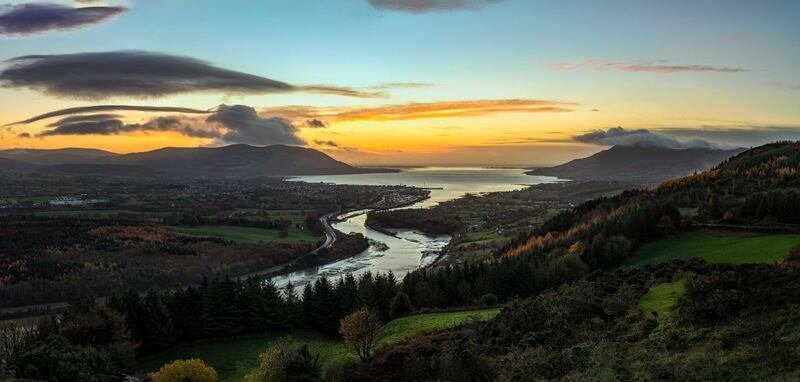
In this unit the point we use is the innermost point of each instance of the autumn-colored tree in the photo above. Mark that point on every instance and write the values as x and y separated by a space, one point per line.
270 366
191 370
360 331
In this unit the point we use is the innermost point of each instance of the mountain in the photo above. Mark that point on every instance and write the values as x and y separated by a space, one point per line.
56 156
100 169
234 160
16 166
238 160
642 164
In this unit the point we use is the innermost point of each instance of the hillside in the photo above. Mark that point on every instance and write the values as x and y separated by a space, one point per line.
239 160
12 165
728 313
229 161
100 169
56 156
638 163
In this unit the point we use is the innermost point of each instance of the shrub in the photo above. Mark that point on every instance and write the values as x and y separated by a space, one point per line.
56 360
191 370
400 305
488 299
277 364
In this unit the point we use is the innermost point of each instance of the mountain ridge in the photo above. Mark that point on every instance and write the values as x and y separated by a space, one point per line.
639 163
238 160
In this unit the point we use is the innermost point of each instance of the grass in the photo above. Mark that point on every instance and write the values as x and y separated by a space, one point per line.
248 234
406 327
233 359
718 248
661 298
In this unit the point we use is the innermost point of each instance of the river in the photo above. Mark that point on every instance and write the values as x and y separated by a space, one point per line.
408 249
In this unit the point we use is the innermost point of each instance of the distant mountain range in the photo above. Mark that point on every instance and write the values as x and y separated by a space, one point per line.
639 164
229 161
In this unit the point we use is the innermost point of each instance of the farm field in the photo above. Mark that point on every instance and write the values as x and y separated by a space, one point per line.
234 358
248 234
718 248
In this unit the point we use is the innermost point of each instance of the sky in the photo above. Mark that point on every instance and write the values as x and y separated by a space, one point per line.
400 81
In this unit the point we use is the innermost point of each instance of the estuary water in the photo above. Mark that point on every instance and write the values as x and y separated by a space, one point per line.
407 250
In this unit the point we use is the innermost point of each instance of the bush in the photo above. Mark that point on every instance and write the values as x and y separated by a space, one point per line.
488 300
400 305
57 360
277 364
192 370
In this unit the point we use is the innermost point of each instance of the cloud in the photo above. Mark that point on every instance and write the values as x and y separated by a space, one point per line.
639 137
737 136
109 124
402 85
83 118
422 110
24 135
244 125
99 108
321 142
139 74
315 123
421 6
34 18
641 66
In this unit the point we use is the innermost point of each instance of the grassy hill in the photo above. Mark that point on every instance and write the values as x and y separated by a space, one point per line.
718 248
234 358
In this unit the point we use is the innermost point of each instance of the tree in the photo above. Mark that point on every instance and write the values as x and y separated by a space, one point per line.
191 370
401 305
55 359
277 364
360 330
270 366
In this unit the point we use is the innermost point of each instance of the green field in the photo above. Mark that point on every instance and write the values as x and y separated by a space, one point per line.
248 234
406 327
661 298
718 248
234 358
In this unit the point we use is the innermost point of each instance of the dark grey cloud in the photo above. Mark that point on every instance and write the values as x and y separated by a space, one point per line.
109 124
244 125
139 74
737 136
420 6
316 123
24 135
322 142
641 137
100 108
33 18
83 118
